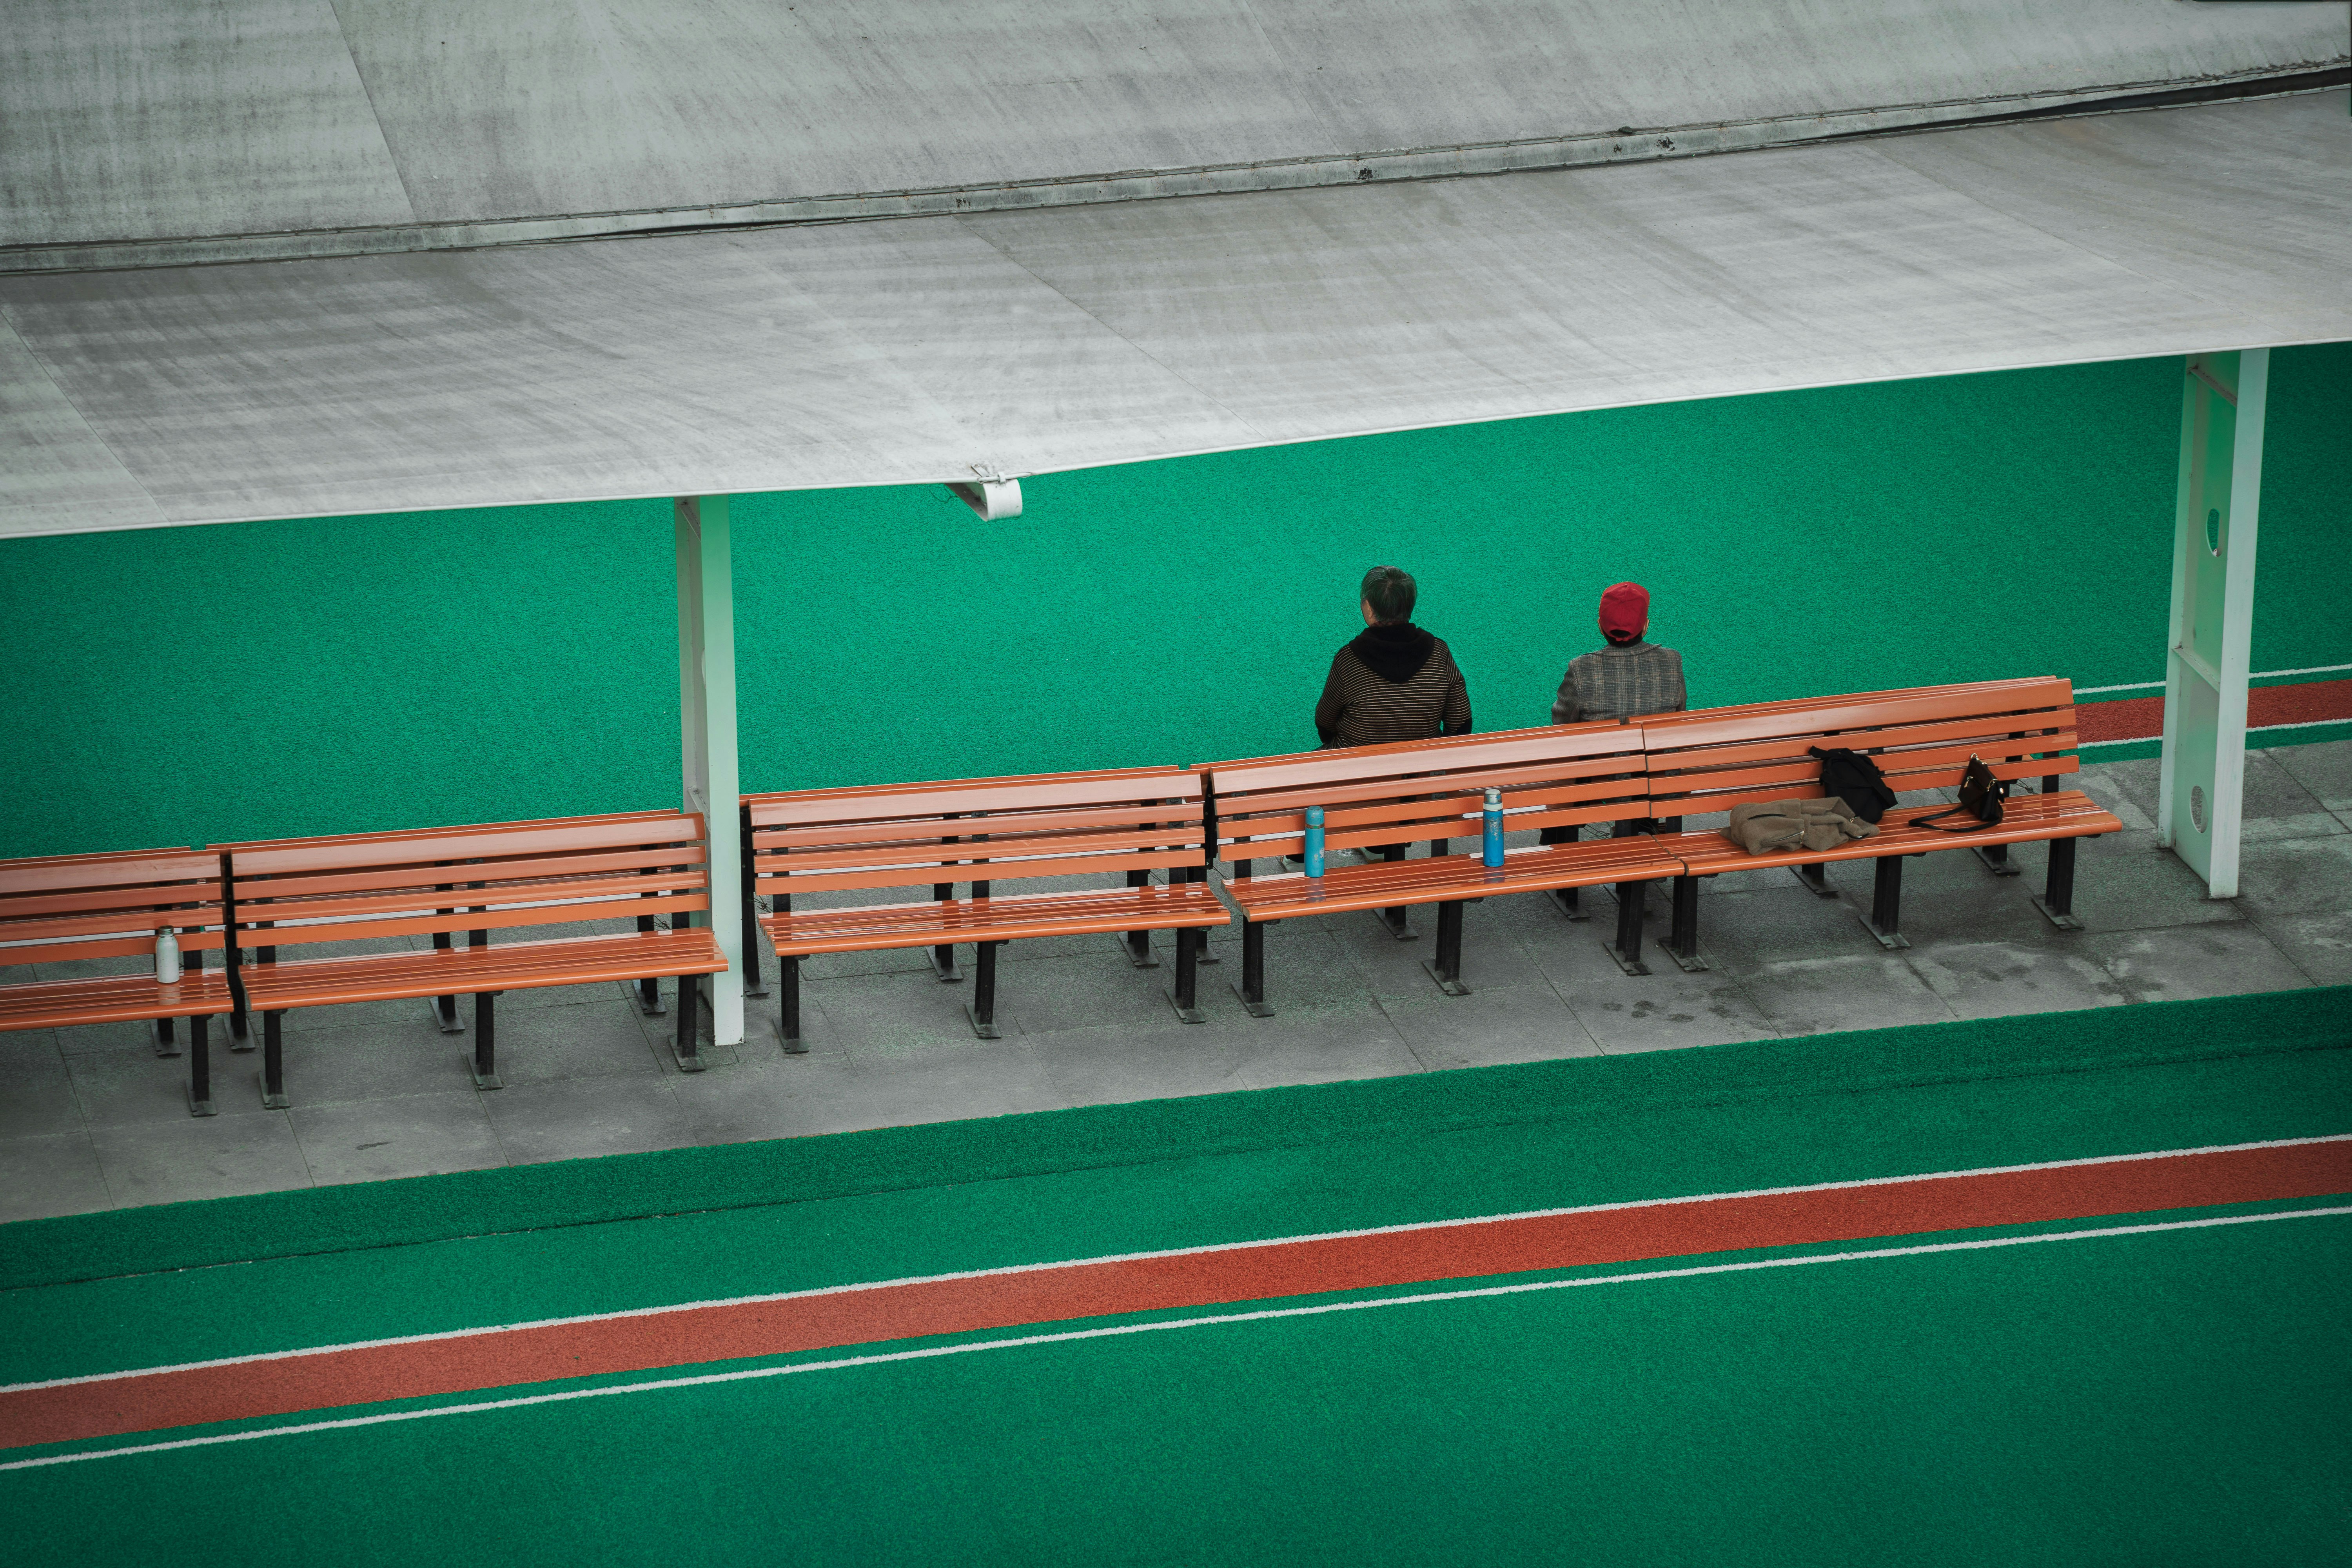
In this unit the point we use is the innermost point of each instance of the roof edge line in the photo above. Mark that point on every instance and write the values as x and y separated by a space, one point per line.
1584 150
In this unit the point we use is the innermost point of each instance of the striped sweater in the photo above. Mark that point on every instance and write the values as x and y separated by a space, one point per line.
1392 683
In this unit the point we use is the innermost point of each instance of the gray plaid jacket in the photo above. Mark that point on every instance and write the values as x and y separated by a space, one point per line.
1621 683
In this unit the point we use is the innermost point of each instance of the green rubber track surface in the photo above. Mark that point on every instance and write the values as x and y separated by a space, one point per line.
2173 1396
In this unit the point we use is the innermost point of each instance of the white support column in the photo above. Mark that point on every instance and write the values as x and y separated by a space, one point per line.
706 691
2200 788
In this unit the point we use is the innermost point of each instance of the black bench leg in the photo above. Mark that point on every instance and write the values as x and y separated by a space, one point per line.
2057 903
1252 990
444 1009
273 1061
943 963
1136 944
1394 918
646 995
686 1043
200 1067
162 1036
486 1040
788 986
1682 944
1564 900
982 1009
1627 949
1185 998
1447 970
1815 879
1201 951
753 985
1886 917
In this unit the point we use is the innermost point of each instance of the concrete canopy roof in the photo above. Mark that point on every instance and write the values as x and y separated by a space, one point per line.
907 351
219 129
410 374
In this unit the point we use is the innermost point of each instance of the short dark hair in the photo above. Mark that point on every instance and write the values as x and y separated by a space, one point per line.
1390 592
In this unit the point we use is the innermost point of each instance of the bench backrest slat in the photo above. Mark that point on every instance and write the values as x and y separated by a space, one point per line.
480 878
56 908
1712 759
1042 825
1418 791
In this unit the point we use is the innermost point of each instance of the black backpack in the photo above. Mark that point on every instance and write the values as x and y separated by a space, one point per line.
1855 780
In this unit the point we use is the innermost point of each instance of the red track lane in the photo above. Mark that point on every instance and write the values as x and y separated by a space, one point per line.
2142 717
499 1358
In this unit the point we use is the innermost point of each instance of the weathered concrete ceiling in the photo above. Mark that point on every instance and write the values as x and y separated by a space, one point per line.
908 349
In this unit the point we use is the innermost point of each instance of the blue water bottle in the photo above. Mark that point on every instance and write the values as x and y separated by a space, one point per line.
1494 828
1315 841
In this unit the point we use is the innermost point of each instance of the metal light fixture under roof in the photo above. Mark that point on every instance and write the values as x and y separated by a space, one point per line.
988 493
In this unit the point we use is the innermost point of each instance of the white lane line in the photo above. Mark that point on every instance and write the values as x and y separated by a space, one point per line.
2251 730
2257 675
1172 1252
1064 1338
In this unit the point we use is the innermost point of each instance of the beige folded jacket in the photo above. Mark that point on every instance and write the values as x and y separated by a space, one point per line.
1778 825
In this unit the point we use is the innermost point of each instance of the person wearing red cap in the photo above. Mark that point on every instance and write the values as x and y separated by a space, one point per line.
1628 676
1624 678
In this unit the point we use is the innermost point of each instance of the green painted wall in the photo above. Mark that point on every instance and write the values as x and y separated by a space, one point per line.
205 684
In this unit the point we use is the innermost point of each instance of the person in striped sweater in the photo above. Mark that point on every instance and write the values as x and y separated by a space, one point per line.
1393 681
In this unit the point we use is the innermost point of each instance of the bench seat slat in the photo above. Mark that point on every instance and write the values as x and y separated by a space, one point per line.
2026 818
1185 906
456 970
1438 878
112 999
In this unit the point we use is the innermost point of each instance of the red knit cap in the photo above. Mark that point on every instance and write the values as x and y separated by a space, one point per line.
1624 611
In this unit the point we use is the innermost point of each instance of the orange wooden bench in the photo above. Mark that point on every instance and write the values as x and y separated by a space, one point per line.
1383 798
943 955
470 882
65 909
1712 759
1126 822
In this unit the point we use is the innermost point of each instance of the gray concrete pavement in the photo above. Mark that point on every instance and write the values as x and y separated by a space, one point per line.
91 1119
